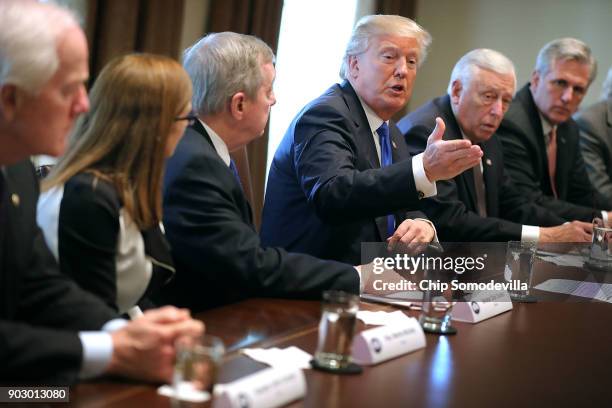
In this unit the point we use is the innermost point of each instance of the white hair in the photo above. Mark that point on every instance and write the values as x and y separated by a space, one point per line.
29 32
372 26
222 64
482 58
565 49
606 90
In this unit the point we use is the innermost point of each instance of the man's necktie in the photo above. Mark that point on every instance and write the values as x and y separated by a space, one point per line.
386 158
235 171
551 151
480 189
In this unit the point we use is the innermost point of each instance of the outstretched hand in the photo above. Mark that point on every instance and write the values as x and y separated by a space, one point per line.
444 159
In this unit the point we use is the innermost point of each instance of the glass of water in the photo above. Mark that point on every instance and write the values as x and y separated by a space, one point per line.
518 269
336 330
601 247
197 364
436 310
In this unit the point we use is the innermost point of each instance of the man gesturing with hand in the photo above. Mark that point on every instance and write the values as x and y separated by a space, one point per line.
341 175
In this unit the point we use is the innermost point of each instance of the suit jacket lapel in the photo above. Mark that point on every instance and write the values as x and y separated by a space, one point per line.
534 129
364 141
364 138
197 126
453 132
488 174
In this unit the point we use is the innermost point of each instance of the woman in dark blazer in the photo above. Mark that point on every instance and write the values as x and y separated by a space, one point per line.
101 206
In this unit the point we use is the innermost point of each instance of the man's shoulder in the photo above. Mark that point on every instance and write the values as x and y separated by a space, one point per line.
425 115
334 99
593 116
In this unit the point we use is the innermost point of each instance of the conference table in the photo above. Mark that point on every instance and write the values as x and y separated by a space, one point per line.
556 352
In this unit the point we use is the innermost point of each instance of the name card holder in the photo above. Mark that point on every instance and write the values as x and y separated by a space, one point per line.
482 306
383 343
269 388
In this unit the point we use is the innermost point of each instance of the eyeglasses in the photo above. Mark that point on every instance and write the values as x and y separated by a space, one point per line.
190 118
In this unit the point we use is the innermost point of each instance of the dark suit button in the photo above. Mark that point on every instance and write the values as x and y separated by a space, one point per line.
421 195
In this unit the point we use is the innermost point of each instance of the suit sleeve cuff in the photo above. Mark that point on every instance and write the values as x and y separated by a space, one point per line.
530 233
97 353
424 187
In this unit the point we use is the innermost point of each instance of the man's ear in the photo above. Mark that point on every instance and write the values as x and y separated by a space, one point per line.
8 101
353 66
456 89
237 105
535 80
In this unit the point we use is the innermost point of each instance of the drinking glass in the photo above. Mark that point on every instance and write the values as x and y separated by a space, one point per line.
518 270
336 330
197 364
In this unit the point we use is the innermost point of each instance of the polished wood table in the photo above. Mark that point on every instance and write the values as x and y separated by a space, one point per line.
557 352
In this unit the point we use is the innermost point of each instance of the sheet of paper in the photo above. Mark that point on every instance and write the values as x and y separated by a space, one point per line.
276 357
590 290
185 393
576 261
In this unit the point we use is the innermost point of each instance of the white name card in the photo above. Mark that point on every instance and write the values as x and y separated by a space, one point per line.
386 342
481 306
267 388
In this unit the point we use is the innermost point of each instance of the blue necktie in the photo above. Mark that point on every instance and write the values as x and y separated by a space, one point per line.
386 159
235 171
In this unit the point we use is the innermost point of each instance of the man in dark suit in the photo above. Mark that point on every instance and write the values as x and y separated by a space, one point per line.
481 204
208 221
595 124
48 325
341 175
540 139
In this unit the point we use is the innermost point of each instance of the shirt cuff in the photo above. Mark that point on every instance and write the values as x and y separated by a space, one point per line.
97 353
530 233
114 325
361 282
604 217
424 187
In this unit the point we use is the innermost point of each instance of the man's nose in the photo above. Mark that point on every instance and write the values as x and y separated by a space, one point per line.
568 94
497 108
81 104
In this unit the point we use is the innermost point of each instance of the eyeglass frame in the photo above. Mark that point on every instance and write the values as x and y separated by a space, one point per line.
191 118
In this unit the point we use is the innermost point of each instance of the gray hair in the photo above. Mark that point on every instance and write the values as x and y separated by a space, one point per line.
482 58
567 49
375 25
606 90
29 32
222 64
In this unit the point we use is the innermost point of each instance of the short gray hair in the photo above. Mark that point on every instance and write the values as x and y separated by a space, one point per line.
29 32
482 58
566 49
606 91
372 26
222 64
